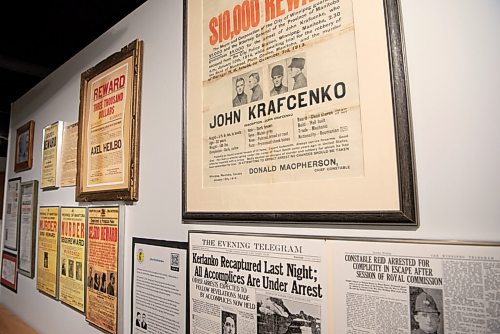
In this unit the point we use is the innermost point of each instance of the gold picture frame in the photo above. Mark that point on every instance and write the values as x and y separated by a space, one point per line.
24 147
109 124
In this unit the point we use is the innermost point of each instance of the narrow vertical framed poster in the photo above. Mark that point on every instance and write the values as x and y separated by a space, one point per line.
51 155
108 134
102 267
72 260
48 249
12 212
297 112
27 228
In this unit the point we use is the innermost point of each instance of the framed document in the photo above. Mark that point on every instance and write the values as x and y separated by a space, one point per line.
102 267
297 112
159 263
68 155
256 283
72 246
24 147
48 242
108 135
9 271
51 155
12 210
27 228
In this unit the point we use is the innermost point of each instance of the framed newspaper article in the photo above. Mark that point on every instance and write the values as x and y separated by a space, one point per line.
27 228
108 133
24 147
262 283
297 112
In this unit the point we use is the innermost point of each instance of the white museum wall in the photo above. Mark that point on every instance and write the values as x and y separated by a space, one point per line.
452 52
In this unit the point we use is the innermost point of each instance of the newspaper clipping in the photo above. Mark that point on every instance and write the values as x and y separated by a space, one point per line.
414 288
48 236
280 92
255 284
102 264
72 257
159 287
68 155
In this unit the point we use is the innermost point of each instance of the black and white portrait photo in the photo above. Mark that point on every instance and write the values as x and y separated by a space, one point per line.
426 307
278 77
297 71
228 320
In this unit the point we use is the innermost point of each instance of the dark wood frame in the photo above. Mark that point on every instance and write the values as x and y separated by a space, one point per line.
405 216
133 50
30 128
34 210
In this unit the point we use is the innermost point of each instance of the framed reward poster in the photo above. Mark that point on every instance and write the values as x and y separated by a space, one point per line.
24 147
48 249
72 245
108 135
51 155
102 268
297 112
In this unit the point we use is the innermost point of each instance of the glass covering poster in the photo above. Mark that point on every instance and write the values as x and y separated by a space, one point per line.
48 237
274 110
72 257
102 267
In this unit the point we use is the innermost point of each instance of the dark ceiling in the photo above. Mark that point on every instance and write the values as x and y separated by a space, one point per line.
39 36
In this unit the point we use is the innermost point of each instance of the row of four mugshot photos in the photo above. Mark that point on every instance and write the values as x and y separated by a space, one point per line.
284 76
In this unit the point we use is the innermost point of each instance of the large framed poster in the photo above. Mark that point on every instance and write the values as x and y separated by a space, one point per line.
108 135
72 246
51 155
297 112
48 249
27 228
102 267
12 211
159 274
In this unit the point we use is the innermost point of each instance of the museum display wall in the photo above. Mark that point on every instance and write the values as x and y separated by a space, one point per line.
452 54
